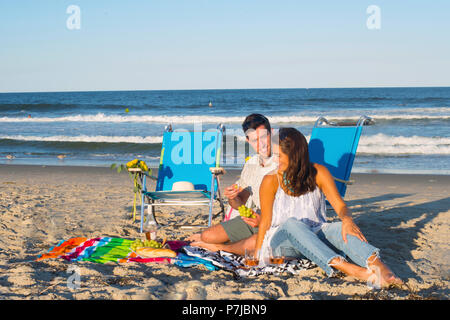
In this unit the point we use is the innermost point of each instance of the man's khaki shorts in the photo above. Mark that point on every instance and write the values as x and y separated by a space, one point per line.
237 229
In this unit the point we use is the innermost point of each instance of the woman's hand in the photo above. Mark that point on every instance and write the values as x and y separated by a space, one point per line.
253 222
325 181
350 228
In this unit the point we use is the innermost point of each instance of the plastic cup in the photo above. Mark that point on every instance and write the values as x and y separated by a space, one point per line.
251 258
275 257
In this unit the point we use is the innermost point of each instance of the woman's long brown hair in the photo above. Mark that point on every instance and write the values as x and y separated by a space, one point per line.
300 174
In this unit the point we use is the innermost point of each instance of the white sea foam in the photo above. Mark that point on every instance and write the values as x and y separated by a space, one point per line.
305 118
379 144
100 117
84 138
384 144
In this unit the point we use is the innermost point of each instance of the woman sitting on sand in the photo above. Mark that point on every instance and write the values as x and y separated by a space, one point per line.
293 216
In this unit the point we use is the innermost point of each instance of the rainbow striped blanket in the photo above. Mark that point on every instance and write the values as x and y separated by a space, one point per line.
107 249
117 250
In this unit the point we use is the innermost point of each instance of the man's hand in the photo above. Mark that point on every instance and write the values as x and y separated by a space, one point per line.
232 191
253 222
350 228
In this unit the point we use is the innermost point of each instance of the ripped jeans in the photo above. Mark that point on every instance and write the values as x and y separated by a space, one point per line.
294 238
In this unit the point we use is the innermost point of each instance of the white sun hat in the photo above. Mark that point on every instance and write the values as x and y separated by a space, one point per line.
183 186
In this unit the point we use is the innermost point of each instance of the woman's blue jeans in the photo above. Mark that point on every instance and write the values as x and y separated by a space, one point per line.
296 239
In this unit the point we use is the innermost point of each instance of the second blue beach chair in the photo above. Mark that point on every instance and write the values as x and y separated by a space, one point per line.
334 146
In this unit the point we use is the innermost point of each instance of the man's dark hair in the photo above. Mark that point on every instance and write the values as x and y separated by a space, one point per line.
255 120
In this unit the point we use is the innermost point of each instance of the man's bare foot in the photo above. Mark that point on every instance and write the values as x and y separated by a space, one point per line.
208 246
195 237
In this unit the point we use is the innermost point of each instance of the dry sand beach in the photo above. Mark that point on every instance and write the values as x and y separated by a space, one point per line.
406 216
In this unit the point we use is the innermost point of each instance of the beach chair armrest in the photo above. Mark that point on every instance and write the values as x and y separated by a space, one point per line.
139 170
150 176
217 170
344 181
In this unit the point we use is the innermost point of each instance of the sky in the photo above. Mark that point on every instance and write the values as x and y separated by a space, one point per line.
222 44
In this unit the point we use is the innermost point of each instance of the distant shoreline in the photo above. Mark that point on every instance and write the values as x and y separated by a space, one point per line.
232 171
224 89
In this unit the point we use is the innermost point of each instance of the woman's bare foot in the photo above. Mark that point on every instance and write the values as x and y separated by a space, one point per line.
383 278
350 269
380 275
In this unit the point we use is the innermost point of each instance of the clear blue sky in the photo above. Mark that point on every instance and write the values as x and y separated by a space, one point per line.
222 44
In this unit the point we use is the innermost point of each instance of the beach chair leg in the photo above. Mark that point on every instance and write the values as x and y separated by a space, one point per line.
142 213
211 200
222 207
210 214
151 213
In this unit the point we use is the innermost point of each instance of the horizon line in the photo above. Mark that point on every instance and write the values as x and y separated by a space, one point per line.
222 89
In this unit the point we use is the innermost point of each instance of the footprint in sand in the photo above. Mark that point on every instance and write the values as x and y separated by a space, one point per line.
187 290
21 276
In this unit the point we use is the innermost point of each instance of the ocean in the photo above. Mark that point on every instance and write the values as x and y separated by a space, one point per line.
410 133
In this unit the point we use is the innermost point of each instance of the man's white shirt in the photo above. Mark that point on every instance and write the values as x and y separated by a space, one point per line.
251 177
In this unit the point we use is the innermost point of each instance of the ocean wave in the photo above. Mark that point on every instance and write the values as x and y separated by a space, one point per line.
101 117
379 144
375 117
86 139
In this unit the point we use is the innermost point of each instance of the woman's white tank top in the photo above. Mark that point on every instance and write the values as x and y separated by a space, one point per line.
310 208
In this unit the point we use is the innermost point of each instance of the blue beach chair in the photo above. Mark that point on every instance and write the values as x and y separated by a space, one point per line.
186 157
334 146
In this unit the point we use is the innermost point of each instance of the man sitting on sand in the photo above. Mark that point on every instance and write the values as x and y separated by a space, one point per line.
239 232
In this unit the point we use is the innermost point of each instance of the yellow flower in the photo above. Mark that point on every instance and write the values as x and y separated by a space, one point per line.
132 163
143 166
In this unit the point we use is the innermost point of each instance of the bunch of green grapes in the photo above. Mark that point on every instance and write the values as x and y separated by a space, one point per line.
152 244
136 244
147 243
246 212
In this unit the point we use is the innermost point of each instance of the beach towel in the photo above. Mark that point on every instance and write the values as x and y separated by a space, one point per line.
235 263
62 248
117 250
107 249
